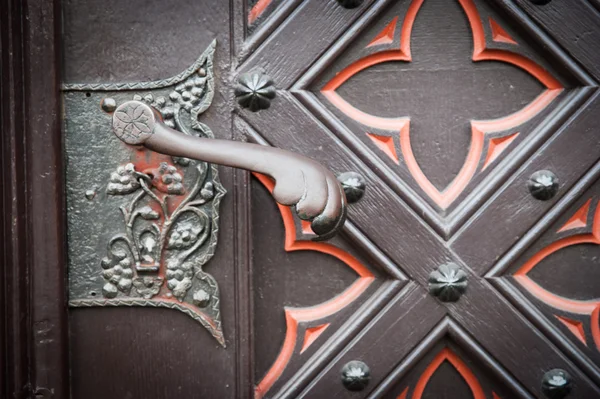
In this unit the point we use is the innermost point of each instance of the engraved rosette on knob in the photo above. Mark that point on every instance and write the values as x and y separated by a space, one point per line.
299 181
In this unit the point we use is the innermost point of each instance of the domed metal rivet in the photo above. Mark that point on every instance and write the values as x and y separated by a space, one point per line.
350 3
448 282
90 194
355 375
556 384
254 91
543 185
201 298
354 186
108 104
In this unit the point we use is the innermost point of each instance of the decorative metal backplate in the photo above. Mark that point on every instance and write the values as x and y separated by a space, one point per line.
142 225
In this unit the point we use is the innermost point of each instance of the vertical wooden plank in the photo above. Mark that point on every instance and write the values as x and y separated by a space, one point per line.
243 285
33 231
14 332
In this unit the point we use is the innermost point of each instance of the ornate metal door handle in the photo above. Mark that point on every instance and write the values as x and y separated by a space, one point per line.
311 188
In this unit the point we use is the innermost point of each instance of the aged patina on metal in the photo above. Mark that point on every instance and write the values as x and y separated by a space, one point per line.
543 185
311 188
448 282
255 90
144 224
355 375
556 384
145 220
354 186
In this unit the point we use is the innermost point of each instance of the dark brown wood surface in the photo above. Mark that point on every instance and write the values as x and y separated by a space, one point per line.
34 327
288 324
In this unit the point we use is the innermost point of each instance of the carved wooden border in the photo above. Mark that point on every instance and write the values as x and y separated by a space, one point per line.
447 327
294 316
34 331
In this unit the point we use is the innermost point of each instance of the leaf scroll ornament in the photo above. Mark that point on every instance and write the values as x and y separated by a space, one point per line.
169 205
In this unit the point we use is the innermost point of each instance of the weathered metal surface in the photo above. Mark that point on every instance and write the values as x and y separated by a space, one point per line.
141 225
299 181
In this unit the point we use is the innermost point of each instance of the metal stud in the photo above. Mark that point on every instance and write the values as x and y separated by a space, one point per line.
556 384
355 375
109 104
350 3
543 185
354 186
448 282
255 90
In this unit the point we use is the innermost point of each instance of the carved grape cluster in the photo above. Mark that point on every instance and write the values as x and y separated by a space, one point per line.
201 298
118 274
169 179
161 105
184 235
123 181
179 278
189 93
147 286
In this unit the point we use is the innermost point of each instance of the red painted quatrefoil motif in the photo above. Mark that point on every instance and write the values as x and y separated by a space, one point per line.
479 128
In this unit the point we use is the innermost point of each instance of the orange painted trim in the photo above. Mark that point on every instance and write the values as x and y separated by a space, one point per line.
579 218
362 64
306 228
386 36
556 301
257 10
459 365
385 144
394 124
403 54
519 117
574 326
478 128
499 34
403 394
311 335
496 147
445 198
294 316
595 326
480 53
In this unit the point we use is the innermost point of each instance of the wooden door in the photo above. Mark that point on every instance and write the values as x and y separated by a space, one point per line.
465 133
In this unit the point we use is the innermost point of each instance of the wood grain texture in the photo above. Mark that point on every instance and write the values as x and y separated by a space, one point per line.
569 273
404 323
284 58
308 272
448 334
435 53
509 338
574 25
244 304
419 247
158 45
34 324
569 153
503 337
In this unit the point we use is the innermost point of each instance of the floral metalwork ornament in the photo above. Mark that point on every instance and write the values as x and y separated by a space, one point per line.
169 206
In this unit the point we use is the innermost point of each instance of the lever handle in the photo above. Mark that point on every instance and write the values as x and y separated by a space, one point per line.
299 181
